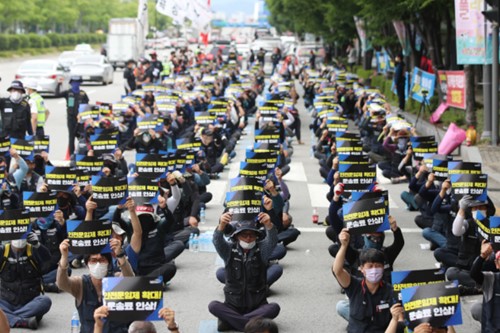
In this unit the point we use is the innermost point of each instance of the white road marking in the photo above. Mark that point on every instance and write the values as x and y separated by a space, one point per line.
317 194
297 173
218 189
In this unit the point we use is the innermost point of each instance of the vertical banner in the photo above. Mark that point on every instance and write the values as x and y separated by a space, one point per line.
469 23
422 81
400 28
360 28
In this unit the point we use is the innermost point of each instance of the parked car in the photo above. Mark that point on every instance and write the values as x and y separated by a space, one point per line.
67 58
49 74
93 68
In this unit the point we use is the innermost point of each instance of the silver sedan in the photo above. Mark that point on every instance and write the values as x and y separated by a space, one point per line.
51 77
93 68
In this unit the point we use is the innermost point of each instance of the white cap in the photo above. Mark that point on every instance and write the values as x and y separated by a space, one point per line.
31 84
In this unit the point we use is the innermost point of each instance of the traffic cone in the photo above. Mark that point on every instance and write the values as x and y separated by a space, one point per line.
67 155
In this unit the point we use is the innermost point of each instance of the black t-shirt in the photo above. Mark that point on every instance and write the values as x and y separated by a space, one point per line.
128 75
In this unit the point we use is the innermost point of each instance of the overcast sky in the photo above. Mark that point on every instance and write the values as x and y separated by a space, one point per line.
233 6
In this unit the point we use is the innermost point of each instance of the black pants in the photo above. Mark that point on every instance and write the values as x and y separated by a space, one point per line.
236 318
39 131
400 88
72 127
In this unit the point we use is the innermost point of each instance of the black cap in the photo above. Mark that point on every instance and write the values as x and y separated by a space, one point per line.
18 85
208 132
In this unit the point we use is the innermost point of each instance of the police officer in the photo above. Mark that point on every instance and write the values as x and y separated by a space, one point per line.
20 276
16 118
74 98
39 112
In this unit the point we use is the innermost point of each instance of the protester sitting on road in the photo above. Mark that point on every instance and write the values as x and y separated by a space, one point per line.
396 143
465 227
486 312
21 282
167 314
10 197
87 289
245 262
370 298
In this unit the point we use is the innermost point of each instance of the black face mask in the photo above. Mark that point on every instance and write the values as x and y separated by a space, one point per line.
62 202
148 223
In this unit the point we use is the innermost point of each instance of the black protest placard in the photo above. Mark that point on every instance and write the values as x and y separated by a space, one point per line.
152 165
103 143
407 279
347 136
270 159
440 169
243 205
83 177
133 298
89 237
253 170
2 172
337 125
468 184
355 196
188 144
40 204
88 111
14 224
421 148
353 159
349 147
246 184
60 178
437 304
143 190
109 191
204 118
93 164
268 135
24 147
489 229
366 216
357 177
41 143
150 121
430 138
260 147
460 167
4 145
269 112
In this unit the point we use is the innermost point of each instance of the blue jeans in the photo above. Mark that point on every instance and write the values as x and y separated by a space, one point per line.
434 237
37 307
343 309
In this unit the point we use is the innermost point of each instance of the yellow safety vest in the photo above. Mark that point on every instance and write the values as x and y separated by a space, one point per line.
40 106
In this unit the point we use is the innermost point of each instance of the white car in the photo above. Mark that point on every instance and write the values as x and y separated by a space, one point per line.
93 68
51 77
67 58
86 48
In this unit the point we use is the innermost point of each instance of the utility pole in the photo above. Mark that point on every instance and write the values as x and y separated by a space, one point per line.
493 15
486 88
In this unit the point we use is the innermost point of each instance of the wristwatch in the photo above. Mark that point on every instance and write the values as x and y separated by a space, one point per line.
121 255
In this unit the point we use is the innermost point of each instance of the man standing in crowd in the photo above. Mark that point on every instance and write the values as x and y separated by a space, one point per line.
400 80
129 77
74 98
15 112
39 112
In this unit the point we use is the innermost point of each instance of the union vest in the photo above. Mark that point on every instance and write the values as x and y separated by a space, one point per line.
489 318
41 109
15 118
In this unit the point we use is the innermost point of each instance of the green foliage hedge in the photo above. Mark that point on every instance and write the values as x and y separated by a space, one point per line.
10 42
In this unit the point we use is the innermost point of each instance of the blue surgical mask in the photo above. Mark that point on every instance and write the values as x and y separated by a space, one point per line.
75 87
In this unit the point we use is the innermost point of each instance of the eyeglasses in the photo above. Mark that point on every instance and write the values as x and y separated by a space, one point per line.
100 261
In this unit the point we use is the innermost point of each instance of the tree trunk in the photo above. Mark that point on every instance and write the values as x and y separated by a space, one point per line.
367 60
470 108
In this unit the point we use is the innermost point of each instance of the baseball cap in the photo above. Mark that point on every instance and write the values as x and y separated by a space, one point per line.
245 225
18 85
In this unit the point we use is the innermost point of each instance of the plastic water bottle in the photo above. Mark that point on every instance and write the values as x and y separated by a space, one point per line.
75 323
315 216
202 242
196 244
190 242
202 215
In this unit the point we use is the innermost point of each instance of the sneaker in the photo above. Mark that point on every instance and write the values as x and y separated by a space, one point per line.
30 323
51 288
222 326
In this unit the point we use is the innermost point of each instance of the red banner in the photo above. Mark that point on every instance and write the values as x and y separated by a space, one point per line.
453 86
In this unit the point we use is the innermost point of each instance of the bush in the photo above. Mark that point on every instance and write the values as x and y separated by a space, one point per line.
24 41
33 41
55 39
14 42
4 42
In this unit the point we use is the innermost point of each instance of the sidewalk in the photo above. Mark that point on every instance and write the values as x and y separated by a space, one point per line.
488 156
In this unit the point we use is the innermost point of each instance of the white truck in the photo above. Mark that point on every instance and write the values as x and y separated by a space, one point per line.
125 41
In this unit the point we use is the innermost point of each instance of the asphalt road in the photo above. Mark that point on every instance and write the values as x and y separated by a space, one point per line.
307 292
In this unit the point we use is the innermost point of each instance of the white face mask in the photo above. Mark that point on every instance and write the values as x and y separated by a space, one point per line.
98 270
475 214
374 275
16 96
247 246
19 243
